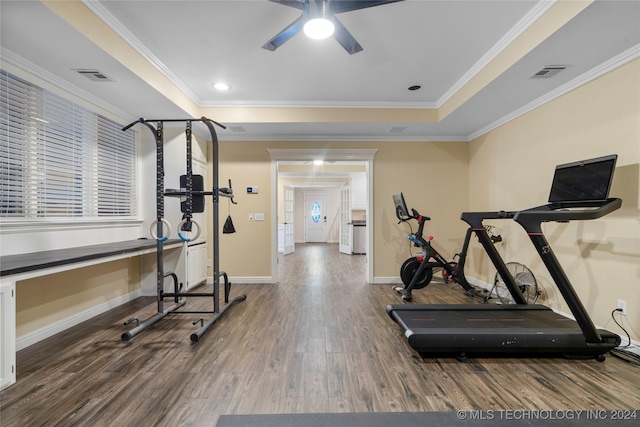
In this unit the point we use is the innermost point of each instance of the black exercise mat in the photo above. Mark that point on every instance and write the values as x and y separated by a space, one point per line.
573 418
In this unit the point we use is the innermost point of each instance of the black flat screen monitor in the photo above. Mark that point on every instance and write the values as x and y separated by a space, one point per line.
586 180
401 206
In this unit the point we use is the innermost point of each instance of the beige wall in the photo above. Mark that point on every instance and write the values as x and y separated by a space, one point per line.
247 252
43 301
434 179
433 176
511 168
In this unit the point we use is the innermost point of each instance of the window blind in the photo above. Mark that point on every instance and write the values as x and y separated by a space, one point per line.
61 160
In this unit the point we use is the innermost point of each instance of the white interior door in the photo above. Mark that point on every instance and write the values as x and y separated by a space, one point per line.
346 233
289 219
315 225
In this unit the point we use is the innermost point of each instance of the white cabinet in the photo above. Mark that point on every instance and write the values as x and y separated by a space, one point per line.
8 331
199 151
358 191
196 265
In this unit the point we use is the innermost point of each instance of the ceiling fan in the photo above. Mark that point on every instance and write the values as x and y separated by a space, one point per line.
323 12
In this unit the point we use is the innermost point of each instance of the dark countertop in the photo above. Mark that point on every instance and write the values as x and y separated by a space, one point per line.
21 263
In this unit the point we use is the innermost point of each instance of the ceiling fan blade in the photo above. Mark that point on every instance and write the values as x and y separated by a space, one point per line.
298 4
340 6
284 35
344 37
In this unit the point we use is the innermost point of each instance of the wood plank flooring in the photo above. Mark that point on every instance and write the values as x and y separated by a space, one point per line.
318 341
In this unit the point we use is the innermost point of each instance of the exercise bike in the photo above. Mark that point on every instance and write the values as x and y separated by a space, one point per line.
417 271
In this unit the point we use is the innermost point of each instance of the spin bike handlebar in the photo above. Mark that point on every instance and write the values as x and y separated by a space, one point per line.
416 237
414 215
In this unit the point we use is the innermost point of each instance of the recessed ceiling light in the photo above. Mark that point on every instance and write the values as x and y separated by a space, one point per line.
221 86
318 162
415 87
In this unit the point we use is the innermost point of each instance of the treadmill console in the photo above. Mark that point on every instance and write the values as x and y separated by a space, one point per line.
586 180
579 191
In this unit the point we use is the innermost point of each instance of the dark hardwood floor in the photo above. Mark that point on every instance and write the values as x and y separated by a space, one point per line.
318 341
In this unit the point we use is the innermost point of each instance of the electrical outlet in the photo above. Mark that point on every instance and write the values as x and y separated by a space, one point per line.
622 306
209 262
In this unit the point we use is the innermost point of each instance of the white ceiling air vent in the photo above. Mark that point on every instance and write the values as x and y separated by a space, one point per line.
397 129
95 75
548 71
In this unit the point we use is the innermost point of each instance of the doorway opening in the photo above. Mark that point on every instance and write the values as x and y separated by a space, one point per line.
324 191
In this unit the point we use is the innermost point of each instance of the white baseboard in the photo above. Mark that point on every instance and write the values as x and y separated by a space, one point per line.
633 346
397 281
386 281
302 242
479 283
48 331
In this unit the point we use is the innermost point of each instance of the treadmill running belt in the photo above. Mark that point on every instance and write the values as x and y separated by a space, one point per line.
507 330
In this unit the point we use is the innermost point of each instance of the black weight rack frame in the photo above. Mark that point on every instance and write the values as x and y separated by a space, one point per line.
157 128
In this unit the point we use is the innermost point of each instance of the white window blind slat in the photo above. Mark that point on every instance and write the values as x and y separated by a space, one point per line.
59 159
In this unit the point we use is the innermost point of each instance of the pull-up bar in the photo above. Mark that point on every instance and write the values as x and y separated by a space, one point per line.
156 126
143 120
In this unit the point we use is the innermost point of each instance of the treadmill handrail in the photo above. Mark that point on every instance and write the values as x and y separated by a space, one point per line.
474 219
531 219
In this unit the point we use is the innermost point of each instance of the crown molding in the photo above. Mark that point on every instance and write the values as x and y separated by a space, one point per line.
322 104
112 22
325 154
598 71
316 185
527 20
344 138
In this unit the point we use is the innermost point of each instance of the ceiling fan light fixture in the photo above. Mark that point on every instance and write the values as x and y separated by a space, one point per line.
319 28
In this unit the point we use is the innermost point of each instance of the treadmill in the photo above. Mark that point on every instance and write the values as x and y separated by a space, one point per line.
579 192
